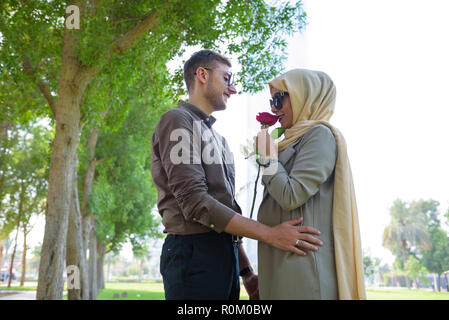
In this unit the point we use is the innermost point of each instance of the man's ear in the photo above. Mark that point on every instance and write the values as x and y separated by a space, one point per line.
202 75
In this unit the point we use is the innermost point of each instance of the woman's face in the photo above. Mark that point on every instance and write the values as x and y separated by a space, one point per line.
285 114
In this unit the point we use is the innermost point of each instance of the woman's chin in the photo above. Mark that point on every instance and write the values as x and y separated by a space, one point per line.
284 125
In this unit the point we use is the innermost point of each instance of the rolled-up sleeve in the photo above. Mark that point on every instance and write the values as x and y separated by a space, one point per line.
186 177
313 165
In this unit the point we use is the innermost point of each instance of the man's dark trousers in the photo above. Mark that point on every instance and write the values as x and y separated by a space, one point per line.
200 267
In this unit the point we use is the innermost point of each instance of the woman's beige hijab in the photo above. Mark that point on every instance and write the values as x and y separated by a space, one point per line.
312 95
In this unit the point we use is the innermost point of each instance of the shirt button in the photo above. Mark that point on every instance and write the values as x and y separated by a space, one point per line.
212 226
194 219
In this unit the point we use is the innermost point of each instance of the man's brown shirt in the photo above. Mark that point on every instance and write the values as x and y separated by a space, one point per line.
193 170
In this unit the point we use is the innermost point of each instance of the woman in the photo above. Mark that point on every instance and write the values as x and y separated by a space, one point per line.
309 176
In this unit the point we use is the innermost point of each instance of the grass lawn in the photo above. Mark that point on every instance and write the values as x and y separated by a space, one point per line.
147 290
19 288
150 290
154 290
404 294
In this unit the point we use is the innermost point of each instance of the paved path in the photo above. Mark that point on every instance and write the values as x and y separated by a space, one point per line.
18 295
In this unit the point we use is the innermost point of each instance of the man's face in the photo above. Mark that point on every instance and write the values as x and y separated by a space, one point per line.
217 90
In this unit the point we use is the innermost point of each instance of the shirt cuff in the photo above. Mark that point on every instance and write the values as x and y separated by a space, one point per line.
217 217
271 171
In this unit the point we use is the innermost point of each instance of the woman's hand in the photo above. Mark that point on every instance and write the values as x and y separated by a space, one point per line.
265 145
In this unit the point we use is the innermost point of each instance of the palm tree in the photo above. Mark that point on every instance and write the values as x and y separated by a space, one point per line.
407 230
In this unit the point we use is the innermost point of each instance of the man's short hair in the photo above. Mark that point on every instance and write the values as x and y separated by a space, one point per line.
202 58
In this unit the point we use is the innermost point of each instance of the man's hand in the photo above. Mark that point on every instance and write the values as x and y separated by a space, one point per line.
288 236
251 283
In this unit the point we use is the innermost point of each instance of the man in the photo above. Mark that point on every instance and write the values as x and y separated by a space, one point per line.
193 172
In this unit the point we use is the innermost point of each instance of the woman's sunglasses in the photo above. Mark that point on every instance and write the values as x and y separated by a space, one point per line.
277 99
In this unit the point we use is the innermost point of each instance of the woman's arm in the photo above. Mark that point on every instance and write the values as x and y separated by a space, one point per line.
313 165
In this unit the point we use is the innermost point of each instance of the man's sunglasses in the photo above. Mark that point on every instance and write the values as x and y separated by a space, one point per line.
229 77
277 100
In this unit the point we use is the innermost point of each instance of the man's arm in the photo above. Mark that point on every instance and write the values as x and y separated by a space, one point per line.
187 182
186 178
250 279
286 236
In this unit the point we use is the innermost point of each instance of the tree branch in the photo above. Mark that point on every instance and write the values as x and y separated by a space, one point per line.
97 162
123 43
43 87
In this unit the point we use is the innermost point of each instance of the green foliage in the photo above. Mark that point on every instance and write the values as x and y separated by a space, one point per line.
25 169
133 87
418 226
277 132
416 271
123 194
370 264
437 258
32 37
407 232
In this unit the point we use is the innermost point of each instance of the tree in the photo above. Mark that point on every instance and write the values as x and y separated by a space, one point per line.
39 51
436 258
8 139
370 265
406 233
123 195
416 271
27 182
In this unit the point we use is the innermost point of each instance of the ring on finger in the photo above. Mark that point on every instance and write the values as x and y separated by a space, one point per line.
297 242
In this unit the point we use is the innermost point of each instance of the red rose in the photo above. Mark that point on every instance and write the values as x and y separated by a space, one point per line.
266 118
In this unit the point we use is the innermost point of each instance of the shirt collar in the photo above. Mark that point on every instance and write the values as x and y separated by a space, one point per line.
208 119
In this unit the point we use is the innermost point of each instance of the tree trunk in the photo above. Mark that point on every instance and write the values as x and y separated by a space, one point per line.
438 282
87 187
73 80
24 256
141 269
19 217
447 282
404 257
108 275
435 282
93 265
1 253
87 228
101 250
12 259
60 185
5 143
76 255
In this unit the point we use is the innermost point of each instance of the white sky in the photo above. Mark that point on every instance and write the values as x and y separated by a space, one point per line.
390 63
